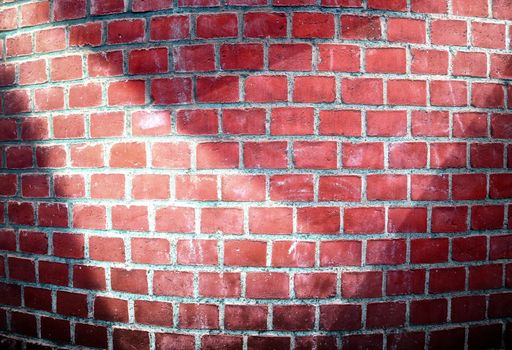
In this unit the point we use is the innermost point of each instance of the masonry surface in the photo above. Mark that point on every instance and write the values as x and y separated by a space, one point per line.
240 174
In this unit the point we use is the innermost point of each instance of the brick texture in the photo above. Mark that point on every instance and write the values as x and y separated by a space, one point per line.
255 174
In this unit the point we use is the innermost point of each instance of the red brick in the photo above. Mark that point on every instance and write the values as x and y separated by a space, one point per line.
243 187
34 128
174 341
167 27
21 213
151 5
66 68
291 121
362 91
293 317
391 251
394 311
222 25
453 338
8 74
487 217
9 19
448 93
33 72
130 218
88 34
500 127
150 250
472 64
429 61
446 280
386 187
386 123
194 58
486 335
363 220
429 187
293 254
107 186
129 281
125 338
338 58
50 40
217 89
38 298
449 32
485 277
69 126
386 60
476 8
340 122
243 121
426 6
405 282
369 155
499 305
273 220
89 216
110 309
72 304
407 92
469 248
337 317
245 253
19 45
105 64
148 61
241 56
87 155
69 9
68 245
19 157
449 219
501 10
22 269
469 308
396 5
318 220
488 35
406 30
53 273
150 186
8 184
408 155
312 25
339 188
83 96
125 31
361 27
315 285
469 186
340 253
219 285
265 155
171 155
218 155
16 101
500 66
69 186
127 93
314 89
290 57
197 122
128 155
153 313
245 317
173 283
53 214
89 277
23 323
488 155
428 311
361 284
196 252
105 7
264 25
469 125
222 220
106 249
268 285
429 250
196 187
266 88
199 316
91 335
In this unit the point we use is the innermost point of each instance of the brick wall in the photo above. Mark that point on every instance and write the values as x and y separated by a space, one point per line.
236 174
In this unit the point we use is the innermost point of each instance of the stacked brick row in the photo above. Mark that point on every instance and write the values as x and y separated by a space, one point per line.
242 174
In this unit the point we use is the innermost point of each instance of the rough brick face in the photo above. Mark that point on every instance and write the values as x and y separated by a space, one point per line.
205 174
